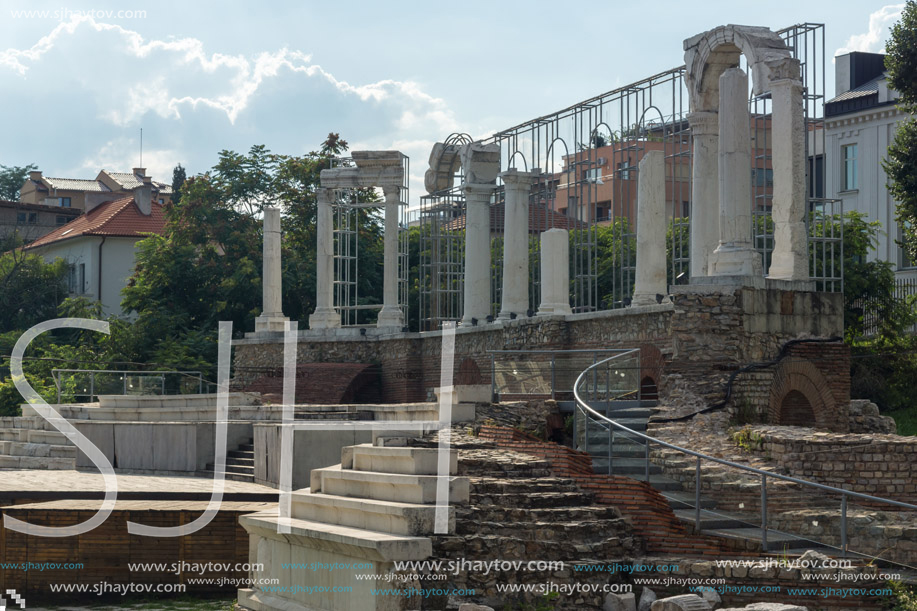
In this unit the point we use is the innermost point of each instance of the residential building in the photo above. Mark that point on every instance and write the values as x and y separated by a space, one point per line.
860 124
100 244
32 221
84 194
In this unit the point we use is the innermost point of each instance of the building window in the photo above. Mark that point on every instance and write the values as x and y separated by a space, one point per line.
600 213
161 201
82 278
27 217
624 170
849 169
71 279
595 174
685 209
65 202
762 177
817 176
61 220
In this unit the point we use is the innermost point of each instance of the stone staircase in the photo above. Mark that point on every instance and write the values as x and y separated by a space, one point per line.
373 509
240 463
32 443
675 480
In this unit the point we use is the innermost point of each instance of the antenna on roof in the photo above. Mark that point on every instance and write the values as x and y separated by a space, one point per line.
141 147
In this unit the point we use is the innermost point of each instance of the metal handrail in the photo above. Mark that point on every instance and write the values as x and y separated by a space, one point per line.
55 374
554 353
581 404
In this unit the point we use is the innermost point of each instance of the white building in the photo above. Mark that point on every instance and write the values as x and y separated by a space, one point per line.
100 244
860 124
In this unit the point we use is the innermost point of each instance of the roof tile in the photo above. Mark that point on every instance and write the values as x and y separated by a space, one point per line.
119 218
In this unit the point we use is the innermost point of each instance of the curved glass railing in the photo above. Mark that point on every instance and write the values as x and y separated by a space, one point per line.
723 497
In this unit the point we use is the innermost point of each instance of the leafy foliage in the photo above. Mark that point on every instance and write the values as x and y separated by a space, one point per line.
12 178
901 163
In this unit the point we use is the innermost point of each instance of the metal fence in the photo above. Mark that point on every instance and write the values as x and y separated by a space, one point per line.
905 293
88 384
526 374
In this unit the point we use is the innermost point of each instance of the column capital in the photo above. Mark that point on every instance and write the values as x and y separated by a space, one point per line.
704 123
786 83
391 190
324 195
477 188
518 178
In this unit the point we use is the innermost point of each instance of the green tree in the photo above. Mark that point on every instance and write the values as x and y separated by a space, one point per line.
30 289
178 179
12 178
901 163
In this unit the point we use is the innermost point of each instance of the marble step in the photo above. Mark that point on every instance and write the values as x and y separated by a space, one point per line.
386 486
383 516
389 459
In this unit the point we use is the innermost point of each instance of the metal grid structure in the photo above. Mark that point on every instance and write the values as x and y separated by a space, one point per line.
442 251
588 156
355 212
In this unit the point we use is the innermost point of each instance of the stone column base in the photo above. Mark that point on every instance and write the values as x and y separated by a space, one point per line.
390 317
271 323
732 261
324 319
554 309
646 299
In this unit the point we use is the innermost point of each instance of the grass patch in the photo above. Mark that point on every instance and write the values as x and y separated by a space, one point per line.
906 419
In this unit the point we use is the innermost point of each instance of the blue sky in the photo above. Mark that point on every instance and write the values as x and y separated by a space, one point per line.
200 76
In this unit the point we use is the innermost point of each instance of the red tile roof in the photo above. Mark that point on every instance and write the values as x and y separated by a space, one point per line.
119 218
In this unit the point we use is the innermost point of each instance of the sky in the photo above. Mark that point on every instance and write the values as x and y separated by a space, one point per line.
200 77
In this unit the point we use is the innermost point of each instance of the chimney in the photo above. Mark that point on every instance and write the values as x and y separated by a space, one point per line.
143 196
35 175
855 69
139 171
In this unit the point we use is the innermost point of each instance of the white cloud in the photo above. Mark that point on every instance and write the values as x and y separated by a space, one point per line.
873 40
123 154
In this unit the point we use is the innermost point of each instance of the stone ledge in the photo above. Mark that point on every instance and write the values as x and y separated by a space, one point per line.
356 542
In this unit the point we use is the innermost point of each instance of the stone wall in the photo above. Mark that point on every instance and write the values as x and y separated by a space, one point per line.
878 465
708 327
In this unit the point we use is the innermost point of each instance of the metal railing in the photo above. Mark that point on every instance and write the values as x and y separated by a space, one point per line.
598 393
539 373
97 382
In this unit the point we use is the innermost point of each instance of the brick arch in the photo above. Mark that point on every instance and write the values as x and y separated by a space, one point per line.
652 365
800 395
468 373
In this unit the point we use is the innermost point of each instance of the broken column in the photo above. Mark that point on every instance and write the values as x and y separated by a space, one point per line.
789 260
651 222
705 190
517 188
555 273
734 256
480 166
391 314
325 316
271 318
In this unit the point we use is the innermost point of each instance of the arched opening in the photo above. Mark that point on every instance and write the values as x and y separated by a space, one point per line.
796 410
648 389
468 373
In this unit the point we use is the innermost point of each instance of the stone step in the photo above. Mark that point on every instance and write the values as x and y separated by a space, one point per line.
37 463
236 477
537 501
386 486
18 422
382 516
19 448
246 447
775 540
492 546
522 485
240 454
573 532
389 459
490 513
325 415
240 462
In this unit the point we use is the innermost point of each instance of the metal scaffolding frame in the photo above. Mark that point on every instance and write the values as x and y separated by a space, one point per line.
352 209
587 156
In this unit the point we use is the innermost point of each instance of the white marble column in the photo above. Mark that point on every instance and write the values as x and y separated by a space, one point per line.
477 302
734 256
651 222
271 318
517 188
789 260
555 273
705 190
391 315
325 316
